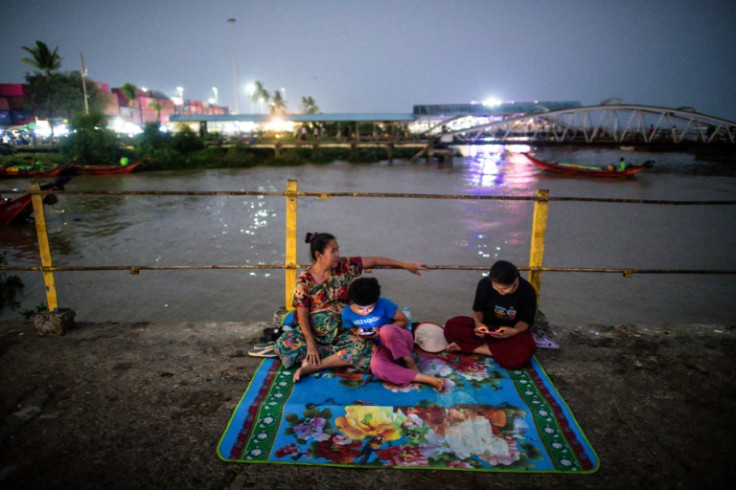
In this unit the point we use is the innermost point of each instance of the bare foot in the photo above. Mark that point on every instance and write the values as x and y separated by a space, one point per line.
305 370
453 347
436 383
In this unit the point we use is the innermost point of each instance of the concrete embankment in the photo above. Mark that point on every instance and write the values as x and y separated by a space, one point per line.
144 405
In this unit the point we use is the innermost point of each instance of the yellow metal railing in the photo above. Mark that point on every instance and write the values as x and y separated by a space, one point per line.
44 248
536 253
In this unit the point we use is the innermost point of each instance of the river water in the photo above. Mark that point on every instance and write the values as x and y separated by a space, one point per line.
128 230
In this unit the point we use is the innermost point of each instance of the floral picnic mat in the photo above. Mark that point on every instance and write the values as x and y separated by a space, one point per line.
487 419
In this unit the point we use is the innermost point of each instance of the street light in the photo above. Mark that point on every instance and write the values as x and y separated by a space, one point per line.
232 21
251 89
181 98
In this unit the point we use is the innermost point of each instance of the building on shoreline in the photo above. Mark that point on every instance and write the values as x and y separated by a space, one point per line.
16 106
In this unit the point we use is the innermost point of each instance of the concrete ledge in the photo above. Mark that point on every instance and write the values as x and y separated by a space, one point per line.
56 322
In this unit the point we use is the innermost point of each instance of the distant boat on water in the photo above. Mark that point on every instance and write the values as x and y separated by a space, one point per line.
568 168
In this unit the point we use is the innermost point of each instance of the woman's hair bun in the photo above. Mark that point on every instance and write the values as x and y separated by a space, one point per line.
310 236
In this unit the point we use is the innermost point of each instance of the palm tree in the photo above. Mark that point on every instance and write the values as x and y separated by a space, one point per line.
43 60
260 94
129 91
46 62
278 104
156 106
309 105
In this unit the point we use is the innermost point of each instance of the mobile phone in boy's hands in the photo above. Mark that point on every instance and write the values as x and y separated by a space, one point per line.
366 333
486 331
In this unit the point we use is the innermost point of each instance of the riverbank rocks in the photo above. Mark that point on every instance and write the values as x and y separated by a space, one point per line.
55 322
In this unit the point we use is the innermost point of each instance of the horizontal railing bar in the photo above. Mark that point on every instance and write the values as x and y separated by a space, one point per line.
328 195
137 268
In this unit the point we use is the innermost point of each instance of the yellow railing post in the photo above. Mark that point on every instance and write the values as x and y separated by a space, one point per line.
44 249
539 229
290 259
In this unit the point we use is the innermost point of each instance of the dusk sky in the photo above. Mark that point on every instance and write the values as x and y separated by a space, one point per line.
388 55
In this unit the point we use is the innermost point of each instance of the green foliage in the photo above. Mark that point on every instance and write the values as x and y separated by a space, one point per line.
239 156
23 158
90 142
309 106
42 58
164 159
207 158
27 314
151 139
186 141
129 90
61 95
364 156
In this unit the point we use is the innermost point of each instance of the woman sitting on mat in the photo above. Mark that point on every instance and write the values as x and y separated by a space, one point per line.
373 318
503 311
318 342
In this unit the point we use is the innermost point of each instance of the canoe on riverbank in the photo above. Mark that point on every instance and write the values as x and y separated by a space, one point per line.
588 170
20 208
21 171
105 169
15 210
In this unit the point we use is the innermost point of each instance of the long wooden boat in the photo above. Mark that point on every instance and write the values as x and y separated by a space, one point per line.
589 170
105 169
18 209
20 171
15 210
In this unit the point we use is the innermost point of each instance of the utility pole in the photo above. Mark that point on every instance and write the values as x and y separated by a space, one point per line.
84 85
232 21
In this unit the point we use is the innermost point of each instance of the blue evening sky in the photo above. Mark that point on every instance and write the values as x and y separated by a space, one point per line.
387 55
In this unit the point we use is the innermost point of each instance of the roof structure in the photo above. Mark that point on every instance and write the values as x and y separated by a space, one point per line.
337 117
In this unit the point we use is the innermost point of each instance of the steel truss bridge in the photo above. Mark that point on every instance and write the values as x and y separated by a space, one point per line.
611 122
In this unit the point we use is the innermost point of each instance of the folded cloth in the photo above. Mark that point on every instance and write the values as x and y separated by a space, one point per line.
262 350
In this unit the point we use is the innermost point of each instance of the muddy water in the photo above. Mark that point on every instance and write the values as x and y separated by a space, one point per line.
234 230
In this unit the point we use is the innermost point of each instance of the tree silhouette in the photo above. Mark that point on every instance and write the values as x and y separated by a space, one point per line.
130 90
45 62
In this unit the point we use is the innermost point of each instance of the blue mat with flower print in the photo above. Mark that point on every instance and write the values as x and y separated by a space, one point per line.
488 419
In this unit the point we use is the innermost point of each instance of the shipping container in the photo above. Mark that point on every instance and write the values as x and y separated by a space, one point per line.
13 90
15 103
21 117
102 87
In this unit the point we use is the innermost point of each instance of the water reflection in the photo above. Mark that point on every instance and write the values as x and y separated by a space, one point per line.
489 166
201 230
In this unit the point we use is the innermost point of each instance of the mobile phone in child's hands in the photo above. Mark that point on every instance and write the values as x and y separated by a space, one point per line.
486 331
366 333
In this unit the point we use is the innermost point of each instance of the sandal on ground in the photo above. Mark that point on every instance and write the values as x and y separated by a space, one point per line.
263 345
262 351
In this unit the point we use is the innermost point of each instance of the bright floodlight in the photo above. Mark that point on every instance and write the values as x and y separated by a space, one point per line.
491 102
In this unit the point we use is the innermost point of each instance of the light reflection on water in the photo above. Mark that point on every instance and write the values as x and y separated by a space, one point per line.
226 230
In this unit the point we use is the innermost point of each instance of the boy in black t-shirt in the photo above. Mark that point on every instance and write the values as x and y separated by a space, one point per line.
503 311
